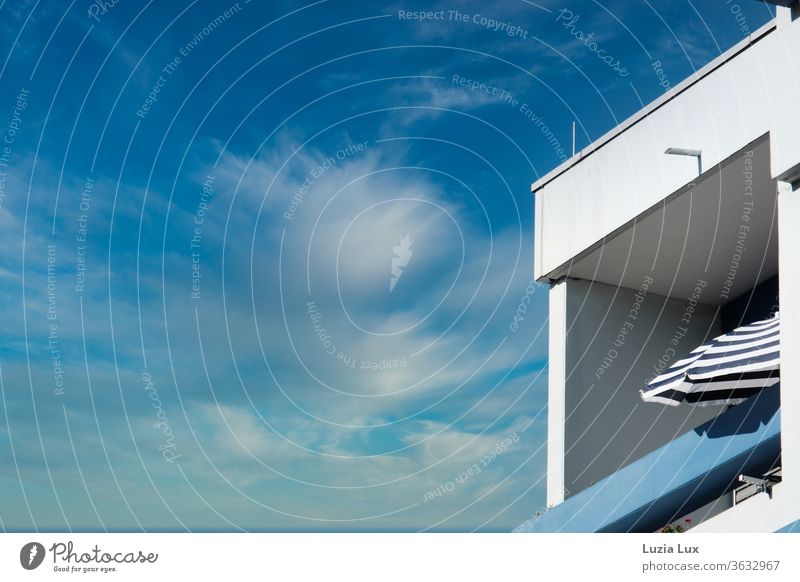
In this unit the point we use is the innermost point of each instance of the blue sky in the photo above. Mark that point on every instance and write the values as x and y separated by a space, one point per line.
203 207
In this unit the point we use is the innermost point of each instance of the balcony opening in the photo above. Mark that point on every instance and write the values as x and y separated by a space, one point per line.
699 264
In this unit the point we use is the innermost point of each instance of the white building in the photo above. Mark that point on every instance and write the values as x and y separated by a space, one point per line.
646 259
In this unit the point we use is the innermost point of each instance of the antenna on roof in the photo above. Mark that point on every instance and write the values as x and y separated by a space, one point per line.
573 138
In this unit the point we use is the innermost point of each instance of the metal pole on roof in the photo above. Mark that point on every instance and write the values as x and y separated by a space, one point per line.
573 138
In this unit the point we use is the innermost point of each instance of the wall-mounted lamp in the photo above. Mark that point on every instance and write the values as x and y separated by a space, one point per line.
688 152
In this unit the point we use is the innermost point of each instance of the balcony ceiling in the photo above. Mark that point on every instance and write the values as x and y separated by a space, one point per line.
711 231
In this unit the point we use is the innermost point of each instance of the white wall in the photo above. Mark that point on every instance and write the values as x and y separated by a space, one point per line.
752 94
556 375
785 124
786 158
789 257
758 514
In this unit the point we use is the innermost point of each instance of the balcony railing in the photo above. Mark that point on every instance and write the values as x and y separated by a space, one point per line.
684 475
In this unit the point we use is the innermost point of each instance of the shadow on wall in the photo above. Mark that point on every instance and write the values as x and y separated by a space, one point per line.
744 418
761 302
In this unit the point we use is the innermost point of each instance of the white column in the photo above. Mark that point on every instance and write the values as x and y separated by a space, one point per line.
789 272
785 15
556 382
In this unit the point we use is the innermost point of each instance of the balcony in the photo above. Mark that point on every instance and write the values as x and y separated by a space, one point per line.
682 476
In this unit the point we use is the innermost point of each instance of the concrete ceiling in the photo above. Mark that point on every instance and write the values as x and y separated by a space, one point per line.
711 231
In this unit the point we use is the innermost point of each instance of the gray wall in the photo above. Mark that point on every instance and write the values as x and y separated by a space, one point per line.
607 425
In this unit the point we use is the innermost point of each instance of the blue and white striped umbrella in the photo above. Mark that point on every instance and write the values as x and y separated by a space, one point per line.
729 370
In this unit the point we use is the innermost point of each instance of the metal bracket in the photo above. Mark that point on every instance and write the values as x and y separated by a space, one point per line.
762 484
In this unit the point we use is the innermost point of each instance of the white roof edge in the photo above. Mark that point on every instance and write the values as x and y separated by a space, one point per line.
732 52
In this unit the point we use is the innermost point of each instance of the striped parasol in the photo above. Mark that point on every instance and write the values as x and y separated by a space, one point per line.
730 369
